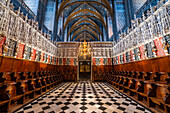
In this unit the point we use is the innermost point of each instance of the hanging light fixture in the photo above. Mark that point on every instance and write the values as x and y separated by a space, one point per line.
84 48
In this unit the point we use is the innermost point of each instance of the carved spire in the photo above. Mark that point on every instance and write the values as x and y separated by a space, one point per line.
11 6
143 16
26 17
8 3
19 10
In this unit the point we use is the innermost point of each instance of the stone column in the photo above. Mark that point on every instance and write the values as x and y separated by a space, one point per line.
114 20
41 12
55 22
129 12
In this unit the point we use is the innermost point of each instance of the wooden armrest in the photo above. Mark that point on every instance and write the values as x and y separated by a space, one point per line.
168 105
126 87
116 83
112 82
133 90
3 102
143 94
37 89
162 84
16 97
156 100
29 92
120 84
22 80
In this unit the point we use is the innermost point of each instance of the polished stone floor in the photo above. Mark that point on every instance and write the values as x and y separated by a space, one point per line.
83 97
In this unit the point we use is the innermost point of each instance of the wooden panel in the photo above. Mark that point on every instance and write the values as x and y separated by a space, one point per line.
6 65
28 66
36 66
101 69
17 65
43 67
0 60
161 64
164 64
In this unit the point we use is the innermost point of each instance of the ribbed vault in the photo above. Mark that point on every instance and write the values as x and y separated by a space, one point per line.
84 17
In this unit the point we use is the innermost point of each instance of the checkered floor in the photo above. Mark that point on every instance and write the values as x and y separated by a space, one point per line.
83 97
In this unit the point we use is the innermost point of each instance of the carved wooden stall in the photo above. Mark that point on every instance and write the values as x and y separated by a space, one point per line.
101 60
146 81
67 60
141 59
21 80
137 64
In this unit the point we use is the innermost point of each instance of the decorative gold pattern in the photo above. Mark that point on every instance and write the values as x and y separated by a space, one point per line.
97 15
84 50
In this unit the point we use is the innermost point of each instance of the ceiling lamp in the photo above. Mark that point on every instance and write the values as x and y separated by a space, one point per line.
84 50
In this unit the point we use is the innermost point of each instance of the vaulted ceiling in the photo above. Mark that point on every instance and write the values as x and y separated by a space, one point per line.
85 18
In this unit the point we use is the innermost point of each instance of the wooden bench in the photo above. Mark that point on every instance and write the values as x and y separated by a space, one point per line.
159 96
126 84
143 90
4 100
134 87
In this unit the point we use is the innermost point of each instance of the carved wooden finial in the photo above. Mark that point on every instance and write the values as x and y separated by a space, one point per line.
124 34
8 3
26 17
128 31
19 10
34 18
32 22
148 13
151 9
11 6
135 16
143 16
22 15
41 31
29 21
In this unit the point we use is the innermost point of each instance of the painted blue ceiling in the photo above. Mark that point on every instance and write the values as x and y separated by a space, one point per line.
85 12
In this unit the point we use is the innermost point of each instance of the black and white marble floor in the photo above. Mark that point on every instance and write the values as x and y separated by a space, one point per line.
83 97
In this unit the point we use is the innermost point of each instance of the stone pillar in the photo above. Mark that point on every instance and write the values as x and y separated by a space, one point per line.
68 39
55 22
129 12
65 35
63 27
114 20
50 15
41 12
102 33
106 32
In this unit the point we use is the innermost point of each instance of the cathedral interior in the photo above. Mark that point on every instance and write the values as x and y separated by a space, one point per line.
84 56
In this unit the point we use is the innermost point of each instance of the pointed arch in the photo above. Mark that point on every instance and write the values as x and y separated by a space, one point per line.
80 17
81 35
65 4
87 39
90 26
81 30
87 21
